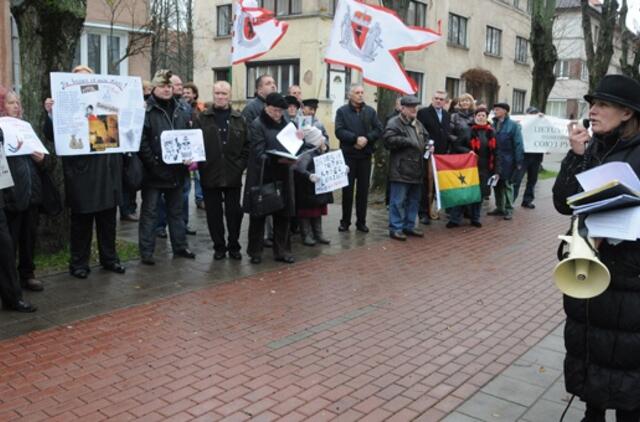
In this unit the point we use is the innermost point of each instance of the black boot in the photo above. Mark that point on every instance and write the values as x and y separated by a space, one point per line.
316 226
306 233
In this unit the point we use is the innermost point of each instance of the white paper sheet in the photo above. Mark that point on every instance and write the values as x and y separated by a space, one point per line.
605 173
289 139
20 138
6 181
621 224
182 145
331 170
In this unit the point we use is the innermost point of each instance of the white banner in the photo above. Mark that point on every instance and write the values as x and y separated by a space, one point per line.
6 181
20 138
331 171
182 145
369 38
546 134
96 114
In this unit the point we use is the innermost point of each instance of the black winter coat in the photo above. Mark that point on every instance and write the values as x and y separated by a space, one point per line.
306 197
225 161
460 130
263 132
350 124
406 142
438 131
92 183
602 334
27 189
158 174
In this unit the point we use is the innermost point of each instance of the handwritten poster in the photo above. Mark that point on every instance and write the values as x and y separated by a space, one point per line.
182 145
96 114
332 172
20 138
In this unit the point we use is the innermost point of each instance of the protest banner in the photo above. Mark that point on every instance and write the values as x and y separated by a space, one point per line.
331 171
96 114
6 181
19 137
544 134
182 145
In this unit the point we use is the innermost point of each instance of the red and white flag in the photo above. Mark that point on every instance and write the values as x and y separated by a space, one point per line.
369 38
255 31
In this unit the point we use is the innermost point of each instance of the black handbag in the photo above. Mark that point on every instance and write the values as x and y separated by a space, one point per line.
133 171
266 198
51 201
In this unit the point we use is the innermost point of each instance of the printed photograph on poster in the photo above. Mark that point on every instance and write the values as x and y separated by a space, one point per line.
179 146
96 114
20 138
6 181
332 172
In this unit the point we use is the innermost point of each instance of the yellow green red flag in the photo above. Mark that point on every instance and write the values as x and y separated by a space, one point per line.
457 181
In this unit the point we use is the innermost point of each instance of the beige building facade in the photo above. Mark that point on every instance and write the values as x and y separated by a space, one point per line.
102 45
484 50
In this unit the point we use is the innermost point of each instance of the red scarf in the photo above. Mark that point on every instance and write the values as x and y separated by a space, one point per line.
491 143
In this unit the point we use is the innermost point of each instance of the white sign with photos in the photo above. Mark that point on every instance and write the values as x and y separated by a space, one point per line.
179 146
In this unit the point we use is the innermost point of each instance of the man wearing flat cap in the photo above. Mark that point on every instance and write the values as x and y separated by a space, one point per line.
406 139
510 155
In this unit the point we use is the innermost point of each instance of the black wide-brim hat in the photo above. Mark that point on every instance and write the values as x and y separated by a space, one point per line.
617 89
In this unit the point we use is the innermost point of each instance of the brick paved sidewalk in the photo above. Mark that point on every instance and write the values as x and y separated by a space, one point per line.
388 331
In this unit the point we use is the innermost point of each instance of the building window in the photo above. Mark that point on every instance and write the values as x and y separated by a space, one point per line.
557 108
222 74
102 51
224 20
561 69
282 7
285 73
417 14
457 30
519 97
493 41
522 50
419 78
584 71
452 86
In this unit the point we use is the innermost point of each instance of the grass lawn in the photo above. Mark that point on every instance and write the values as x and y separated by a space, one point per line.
547 174
59 261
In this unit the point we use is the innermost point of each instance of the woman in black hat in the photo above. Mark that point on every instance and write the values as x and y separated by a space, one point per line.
602 334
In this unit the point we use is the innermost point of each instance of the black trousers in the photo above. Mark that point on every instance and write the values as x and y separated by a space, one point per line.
359 177
23 226
149 220
595 414
82 232
214 200
10 291
281 236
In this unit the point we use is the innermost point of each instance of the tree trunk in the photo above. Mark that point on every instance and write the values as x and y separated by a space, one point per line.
543 52
386 105
599 56
48 34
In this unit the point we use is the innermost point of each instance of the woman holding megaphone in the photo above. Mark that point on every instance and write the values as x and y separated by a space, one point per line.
602 333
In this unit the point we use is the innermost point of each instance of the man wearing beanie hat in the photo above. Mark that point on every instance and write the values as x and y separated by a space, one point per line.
163 113
510 154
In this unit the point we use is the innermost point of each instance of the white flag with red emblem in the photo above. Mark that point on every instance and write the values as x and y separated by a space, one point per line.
369 38
255 31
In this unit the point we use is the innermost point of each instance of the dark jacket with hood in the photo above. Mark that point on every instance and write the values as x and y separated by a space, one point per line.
406 142
352 123
263 132
173 115
226 161
602 334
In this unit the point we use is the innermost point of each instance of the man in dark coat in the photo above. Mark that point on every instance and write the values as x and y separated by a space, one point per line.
436 121
602 333
406 139
265 85
93 187
357 129
10 291
164 112
226 143
264 130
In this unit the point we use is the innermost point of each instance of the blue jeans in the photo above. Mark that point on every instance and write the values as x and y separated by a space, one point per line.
456 213
404 201
198 187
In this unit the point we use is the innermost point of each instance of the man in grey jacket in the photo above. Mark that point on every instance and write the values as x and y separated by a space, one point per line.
406 139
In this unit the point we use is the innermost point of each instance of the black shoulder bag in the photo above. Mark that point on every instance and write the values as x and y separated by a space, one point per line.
266 198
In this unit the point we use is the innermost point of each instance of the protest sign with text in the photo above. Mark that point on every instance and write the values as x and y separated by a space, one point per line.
19 137
331 171
544 134
96 114
6 181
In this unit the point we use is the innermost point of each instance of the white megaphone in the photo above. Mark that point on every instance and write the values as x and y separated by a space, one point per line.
581 275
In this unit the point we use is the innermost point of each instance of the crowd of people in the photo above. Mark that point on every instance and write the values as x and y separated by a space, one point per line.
239 144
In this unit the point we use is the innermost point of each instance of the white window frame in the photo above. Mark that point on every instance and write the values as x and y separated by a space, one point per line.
229 7
522 44
282 85
561 70
105 32
519 103
418 77
493 41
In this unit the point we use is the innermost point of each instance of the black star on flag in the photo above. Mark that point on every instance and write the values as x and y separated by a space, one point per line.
463 180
